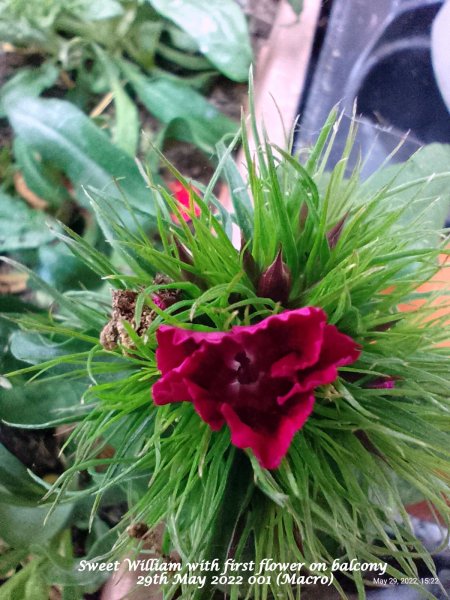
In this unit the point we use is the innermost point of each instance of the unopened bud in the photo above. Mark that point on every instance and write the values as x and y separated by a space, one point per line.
275 282
249 263
335 232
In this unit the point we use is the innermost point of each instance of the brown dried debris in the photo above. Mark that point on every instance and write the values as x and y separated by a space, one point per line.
124 309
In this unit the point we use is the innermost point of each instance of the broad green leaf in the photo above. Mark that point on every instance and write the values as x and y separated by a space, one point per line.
218 27
195 119
297 5
64 136
76 575
34 348
98 10
23 526
431 167
15 479
10 559
21 226
40 178
28 82
61 269
239 488
126 128
41 402
144 36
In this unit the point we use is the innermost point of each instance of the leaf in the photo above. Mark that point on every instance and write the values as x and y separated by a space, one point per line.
236 496
16 481
219 29
41 402
126 129
18 586
98 10
242 205
297 6
65 137
21 226
433 196
61 269
28 82
192 118
40 178
144 38
77 575
23 526
34 348
10 559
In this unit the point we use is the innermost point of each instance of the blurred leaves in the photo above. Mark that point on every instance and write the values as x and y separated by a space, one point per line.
218 28
189 115
297 5
28 82
420 185
66 138
21 226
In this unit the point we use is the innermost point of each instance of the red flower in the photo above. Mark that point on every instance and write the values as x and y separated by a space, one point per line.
258 379
182 196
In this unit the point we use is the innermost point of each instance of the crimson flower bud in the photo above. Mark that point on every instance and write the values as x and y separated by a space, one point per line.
335 232
276 281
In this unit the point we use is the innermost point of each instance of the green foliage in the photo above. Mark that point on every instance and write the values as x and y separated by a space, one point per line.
129 52
190 117
28 228
348 247
297 6
67 30
67 139
218 28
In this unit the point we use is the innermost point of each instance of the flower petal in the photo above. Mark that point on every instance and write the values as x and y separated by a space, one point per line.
269 447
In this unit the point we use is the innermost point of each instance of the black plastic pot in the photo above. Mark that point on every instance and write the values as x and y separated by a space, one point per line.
378 54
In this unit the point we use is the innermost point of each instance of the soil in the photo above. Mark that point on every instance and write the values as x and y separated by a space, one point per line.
37 449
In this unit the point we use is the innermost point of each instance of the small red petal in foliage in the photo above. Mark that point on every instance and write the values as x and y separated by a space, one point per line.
182 197
159 301
258 379
382 383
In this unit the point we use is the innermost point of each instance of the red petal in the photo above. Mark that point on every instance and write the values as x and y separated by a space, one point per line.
269 447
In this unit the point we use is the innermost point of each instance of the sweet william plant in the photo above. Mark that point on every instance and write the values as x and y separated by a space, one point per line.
334 400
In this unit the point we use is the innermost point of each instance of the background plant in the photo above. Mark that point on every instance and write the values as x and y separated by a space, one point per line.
125 53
